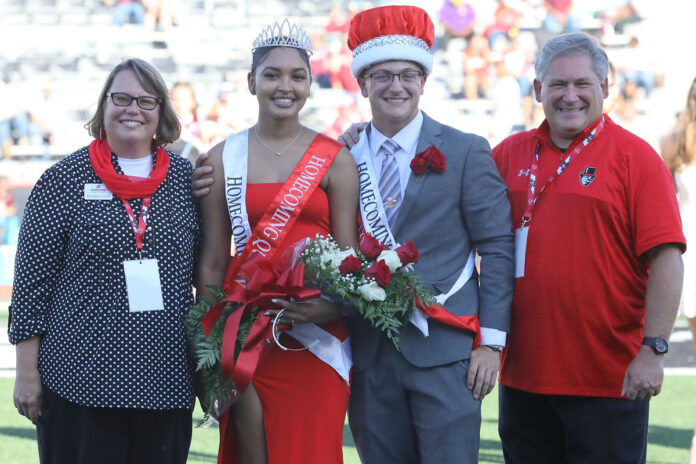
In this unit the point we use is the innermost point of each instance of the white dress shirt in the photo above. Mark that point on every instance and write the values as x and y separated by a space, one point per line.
407 141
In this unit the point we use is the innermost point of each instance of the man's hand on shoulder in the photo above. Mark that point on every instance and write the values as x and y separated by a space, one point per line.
483 371
351 136
644 376
202 178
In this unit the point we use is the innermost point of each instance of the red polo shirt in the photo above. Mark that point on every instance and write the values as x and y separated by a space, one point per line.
578 312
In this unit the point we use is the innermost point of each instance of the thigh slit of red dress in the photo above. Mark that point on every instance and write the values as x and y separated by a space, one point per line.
304 400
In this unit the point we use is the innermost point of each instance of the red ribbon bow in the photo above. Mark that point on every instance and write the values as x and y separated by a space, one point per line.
261 283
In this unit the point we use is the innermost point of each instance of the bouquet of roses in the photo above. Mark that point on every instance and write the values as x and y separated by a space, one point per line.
376 281
232 329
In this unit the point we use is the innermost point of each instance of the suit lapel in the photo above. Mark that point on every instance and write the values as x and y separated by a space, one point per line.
429 135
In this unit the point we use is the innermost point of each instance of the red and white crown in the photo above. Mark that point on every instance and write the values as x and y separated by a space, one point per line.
391 33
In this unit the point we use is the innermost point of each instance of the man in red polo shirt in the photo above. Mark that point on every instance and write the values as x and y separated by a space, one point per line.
599 272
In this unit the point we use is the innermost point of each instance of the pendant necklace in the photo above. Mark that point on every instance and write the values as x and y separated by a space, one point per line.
277 153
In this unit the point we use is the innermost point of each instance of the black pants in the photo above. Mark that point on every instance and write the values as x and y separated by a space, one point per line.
554 429
72 434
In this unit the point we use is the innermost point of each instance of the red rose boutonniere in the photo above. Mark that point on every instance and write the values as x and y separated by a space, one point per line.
431 158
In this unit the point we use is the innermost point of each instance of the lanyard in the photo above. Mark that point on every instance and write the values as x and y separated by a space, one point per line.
141 224
532 194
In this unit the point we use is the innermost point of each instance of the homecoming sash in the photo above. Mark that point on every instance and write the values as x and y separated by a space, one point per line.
374 218
285 208
235 160
374 221
260 247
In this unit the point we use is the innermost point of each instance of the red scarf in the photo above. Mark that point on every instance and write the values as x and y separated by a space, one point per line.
126 187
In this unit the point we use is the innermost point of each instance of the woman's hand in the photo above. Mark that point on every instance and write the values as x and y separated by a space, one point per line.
300 312
27 390
27 395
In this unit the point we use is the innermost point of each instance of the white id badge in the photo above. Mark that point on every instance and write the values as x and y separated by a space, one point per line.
143 285
97 192
520 250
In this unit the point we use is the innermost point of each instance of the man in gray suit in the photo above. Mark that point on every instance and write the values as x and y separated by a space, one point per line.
421 403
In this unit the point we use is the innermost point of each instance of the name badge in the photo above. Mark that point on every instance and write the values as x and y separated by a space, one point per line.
143 285
97 192
520 250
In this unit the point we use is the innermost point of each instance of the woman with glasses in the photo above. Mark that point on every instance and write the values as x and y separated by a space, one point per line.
103 276
277 183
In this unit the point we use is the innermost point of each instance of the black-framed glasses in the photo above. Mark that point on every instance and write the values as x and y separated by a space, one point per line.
406 77
123 99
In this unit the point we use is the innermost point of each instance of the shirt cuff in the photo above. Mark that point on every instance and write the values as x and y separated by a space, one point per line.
492 337
35 324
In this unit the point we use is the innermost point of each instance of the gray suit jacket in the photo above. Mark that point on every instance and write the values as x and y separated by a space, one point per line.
446 215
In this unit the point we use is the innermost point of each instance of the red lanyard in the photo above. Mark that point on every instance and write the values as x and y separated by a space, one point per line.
532 194
141 224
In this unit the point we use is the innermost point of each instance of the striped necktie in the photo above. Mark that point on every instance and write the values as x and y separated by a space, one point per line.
389 181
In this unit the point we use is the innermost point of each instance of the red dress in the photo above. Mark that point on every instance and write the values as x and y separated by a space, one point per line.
304 400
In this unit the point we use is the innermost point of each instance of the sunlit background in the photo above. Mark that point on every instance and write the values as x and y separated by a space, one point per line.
56 54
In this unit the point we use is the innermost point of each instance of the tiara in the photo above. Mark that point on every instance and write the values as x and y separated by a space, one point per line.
283 35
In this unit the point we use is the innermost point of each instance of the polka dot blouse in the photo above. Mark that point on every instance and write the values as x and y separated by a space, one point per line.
70 288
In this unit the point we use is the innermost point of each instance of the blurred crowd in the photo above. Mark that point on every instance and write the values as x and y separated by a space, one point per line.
9 222
9 230
484 52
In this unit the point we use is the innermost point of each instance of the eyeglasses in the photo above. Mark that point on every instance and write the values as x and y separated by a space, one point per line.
123 99
405 77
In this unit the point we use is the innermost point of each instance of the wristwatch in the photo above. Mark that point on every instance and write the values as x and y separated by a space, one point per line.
658 344
498 348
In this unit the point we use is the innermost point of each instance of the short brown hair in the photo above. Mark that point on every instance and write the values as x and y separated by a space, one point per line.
168 128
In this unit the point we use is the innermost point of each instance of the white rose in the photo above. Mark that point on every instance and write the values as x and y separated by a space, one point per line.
372 292
391 259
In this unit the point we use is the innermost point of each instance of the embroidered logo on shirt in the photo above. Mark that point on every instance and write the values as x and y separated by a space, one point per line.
587 176
523 173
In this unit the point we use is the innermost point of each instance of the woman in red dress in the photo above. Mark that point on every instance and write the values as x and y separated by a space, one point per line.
294 408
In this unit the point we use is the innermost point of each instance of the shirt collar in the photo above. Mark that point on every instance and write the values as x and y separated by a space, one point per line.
543 132
406 138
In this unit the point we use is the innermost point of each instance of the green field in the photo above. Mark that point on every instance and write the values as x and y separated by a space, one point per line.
672 421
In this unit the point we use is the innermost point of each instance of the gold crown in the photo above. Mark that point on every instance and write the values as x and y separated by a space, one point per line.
283 35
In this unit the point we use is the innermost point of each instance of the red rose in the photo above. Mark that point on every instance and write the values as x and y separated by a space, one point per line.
437 160
407 253
419 164
380 272
350 265
430 158
370 246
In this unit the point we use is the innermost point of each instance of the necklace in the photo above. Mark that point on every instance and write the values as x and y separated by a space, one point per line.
277 153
